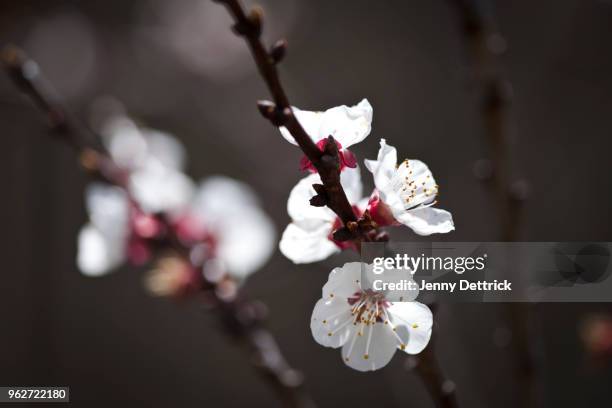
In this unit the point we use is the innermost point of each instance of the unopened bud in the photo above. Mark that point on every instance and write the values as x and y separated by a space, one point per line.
278 50
256 20
269 111
318 201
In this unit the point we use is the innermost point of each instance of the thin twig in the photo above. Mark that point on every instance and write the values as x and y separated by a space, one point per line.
486 45
280 113
241 318
441 389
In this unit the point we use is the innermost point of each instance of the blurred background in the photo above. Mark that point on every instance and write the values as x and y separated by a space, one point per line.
177 66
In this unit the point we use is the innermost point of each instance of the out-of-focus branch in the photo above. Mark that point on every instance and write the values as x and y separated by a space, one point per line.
25 73
486 45
279 113
241 318
441 389
426 366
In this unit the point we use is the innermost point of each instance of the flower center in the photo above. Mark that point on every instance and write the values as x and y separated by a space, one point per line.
414 185
347 158
368 307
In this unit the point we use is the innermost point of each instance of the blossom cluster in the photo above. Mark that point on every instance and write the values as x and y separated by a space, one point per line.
367 326
218 228
161 213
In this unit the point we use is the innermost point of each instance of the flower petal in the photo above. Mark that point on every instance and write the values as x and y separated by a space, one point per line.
344 282
383 168
245 234
348 125
331 323
427 220
124 141
415 183
350 179
307 244
413 322
246 242
165 148
298 204
108 208
160 189
371 350
310 121
96 254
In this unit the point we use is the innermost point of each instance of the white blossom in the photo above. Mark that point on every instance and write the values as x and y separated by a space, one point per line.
102 242
405 194
243 234
367 326
308 238
154 160
348 126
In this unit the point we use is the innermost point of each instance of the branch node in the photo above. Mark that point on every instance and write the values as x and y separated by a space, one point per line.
342 234
252 25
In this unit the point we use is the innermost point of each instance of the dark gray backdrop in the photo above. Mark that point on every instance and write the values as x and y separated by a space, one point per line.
111 343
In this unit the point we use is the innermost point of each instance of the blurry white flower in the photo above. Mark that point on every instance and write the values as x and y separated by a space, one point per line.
154 160
365 324
242 234
308 238
131 146
157 188
102 242
348 126
406 194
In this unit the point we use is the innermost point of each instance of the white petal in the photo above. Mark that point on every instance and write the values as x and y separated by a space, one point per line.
413 321
218 196
245 234
97 255
298 204
372 350
414 183
307 244
351 182
344 282
160 189
331 323
383 168
427 221
310 121
108 208
165 148
124 141
348 125
398 276
245 241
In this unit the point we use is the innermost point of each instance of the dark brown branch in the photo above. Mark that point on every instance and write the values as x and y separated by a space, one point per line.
241 318
486 46
280 113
